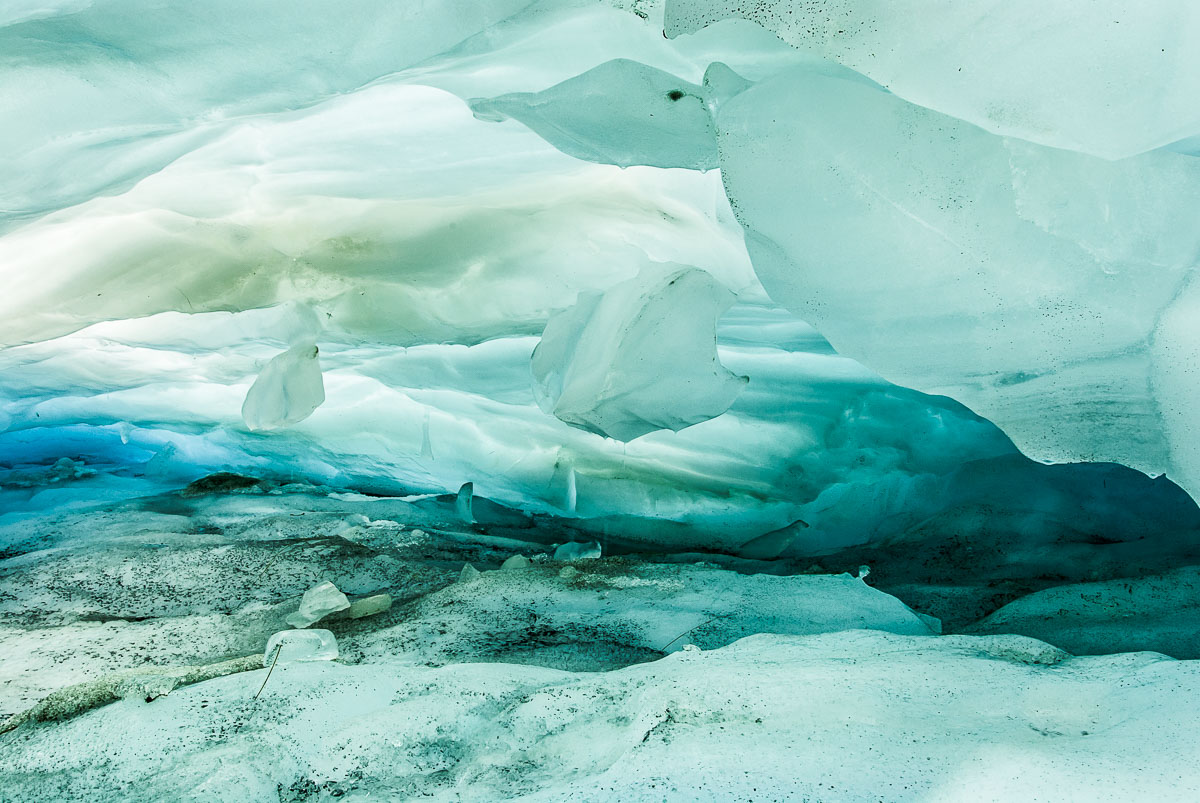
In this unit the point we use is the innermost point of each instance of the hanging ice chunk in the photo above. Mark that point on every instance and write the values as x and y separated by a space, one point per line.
640 357
287 646
317 603
577 550
1108 77
622 113
1045 289
462 502
287 391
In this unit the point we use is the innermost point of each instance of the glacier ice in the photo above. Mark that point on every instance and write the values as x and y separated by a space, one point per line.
513 562
638 358
463 503
369 606
122 89
705 307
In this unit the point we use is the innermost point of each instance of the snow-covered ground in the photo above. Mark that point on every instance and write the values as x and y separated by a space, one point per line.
636 676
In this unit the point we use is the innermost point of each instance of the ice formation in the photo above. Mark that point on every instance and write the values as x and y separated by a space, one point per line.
287 391
639 358
735 347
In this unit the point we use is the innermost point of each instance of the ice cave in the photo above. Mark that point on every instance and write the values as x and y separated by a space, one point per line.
600 400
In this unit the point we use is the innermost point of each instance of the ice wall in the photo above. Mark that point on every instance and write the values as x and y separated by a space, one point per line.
1035 285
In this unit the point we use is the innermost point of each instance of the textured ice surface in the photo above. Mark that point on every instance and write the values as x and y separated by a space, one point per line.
182 580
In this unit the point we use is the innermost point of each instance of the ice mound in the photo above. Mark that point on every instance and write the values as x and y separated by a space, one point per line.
1156 613
607 613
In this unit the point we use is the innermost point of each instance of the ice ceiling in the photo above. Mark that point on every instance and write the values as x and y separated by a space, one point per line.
398 247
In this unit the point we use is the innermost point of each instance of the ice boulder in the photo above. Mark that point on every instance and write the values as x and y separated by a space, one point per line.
576 550
290 646
773 544
287 391
317 603
640 357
